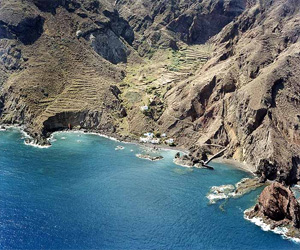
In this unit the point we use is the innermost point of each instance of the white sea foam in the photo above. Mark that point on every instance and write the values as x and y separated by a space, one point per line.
28 140
33 144
213 198
182 165
108 137
265 227
217 193
222 188
52 139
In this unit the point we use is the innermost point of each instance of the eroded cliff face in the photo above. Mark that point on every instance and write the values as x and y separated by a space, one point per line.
54 72
246 97
158 23
237 88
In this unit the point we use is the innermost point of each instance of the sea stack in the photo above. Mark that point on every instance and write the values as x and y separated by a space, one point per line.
277 207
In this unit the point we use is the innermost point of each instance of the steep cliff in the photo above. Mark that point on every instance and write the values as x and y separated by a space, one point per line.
212 73
157 23
246 97
57 63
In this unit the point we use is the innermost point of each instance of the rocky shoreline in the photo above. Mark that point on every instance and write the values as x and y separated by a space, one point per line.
241 188
46 142
149 157
277 210
186 159
285 227
285 231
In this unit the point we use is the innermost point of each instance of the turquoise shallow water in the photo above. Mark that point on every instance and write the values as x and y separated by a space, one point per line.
82 193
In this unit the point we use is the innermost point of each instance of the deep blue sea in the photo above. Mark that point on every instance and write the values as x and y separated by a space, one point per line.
81 193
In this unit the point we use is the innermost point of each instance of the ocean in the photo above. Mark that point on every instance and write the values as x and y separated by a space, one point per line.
82 193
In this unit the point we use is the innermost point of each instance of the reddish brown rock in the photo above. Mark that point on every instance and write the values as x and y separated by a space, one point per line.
277 205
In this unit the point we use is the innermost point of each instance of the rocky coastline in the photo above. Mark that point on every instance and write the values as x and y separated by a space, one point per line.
45 142
241 188
184 156
90 67
286 227
278 210
149 157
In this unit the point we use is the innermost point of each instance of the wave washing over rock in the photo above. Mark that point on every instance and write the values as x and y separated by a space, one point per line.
217 193
222 192
277 209
149 157
284 231
33 143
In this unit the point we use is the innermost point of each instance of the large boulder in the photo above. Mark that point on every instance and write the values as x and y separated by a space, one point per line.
278 204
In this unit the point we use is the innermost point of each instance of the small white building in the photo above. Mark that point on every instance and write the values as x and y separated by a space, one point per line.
144 108
164 135
170 141
79 33
148 138
145 139
155 141
149 135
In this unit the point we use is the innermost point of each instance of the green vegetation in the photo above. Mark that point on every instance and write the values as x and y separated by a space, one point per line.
147 80
176 61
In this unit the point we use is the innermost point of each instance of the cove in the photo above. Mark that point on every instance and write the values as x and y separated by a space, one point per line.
81 193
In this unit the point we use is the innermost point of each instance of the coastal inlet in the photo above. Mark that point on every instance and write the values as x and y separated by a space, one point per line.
81 193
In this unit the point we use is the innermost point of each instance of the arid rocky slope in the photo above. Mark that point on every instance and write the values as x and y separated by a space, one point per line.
158 23
212 72
246 97
54 66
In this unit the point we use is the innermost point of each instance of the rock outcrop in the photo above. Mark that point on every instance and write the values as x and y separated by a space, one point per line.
277 206
21 21
195 158
160 23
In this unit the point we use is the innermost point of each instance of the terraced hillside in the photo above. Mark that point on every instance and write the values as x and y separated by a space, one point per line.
206 73
147 84
60 80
